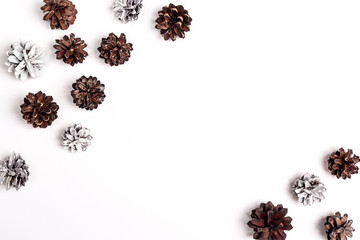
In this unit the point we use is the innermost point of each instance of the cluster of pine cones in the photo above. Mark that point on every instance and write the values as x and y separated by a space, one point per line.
268 221
173 21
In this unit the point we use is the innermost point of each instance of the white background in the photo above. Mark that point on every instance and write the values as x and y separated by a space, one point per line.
193 134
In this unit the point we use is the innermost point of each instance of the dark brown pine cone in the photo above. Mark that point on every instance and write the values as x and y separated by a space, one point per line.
115 50
173 21
39 110
269 222
60 13
70 49
88 92
338 228
343 164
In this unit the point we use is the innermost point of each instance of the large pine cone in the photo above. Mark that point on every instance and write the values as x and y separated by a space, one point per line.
70 49
338 228
88 93
60 13
343 164
269 222
115 50
39 110
173 21
14 172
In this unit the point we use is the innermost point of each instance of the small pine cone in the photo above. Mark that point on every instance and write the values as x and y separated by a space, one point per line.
338 228
88 92
269 222
309 189
60 13
115 50
70 49
14 172
127 10
76 138
25 59
343 164
173 21
39 110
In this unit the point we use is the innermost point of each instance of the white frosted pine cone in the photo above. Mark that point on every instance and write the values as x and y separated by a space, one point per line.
14 172
127 10
25 59
76 138
309 189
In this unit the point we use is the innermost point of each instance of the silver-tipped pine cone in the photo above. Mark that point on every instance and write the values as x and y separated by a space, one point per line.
309 189
25 59
76 138
127 10
14 172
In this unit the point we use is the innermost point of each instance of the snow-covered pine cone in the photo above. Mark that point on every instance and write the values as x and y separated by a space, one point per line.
127 10
25 59
76 138
14 172
309 189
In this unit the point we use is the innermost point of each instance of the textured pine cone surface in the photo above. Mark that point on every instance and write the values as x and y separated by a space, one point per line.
309 189
70 49
14 172
173 21
127 10
39 110
76 138
338 227
269 222
88 93
115 50
343 164
60 13
25 59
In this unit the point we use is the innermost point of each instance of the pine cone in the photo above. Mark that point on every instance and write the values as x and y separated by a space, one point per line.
338 228
88 93
127 10
115 50
70 49
269 222
25 59
76 138
60 13
309 189
343 164
39 110
14 172
173 21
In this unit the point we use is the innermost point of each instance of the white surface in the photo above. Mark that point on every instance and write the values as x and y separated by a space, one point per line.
193 134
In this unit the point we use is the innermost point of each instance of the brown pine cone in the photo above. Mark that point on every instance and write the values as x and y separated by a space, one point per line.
115 50
173 21
338 228
70 49
39 110
343 164
60 13
269 222
88 92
